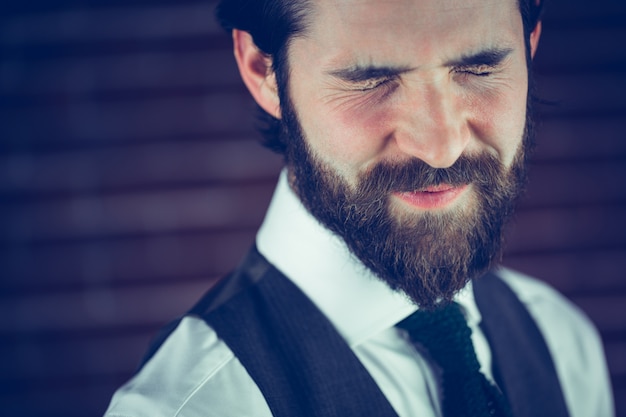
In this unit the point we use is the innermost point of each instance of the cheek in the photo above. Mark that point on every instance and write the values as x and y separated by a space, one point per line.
499 121
348 138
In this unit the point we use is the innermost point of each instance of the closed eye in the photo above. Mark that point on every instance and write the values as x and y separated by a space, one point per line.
481 64
374 84
479 71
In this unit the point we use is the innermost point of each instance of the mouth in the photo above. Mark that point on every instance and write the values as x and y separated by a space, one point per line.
435 197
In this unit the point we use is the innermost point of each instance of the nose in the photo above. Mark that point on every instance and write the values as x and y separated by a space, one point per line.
434 125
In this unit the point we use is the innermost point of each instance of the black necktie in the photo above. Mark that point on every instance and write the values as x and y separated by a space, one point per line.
446 337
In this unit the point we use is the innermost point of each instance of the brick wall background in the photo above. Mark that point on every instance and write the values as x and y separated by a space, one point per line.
130 180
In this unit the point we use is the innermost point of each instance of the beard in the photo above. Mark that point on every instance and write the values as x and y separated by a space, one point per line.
429 256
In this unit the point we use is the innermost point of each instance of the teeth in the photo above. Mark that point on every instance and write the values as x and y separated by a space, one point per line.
436 189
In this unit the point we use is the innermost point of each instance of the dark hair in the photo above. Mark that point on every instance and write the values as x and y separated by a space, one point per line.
274 23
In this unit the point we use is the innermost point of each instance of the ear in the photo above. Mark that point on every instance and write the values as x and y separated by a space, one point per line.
256 71
534 39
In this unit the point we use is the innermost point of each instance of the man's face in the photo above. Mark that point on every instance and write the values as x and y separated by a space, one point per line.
405 126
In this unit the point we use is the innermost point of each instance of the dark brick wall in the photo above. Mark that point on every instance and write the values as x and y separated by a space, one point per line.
130 180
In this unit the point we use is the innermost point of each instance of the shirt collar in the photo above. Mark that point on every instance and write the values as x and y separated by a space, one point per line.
357 303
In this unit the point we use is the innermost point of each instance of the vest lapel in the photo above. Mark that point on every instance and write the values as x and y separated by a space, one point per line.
523 366
301 364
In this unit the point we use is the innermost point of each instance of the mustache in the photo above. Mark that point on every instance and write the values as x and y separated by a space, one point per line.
416 174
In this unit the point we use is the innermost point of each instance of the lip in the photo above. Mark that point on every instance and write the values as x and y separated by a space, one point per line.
431 198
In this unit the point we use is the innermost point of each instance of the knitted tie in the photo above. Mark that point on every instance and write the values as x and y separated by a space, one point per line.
447 338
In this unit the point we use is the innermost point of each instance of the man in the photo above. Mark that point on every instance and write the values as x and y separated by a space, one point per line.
405 126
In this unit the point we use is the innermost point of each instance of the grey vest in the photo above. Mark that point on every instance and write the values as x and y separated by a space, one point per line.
304 367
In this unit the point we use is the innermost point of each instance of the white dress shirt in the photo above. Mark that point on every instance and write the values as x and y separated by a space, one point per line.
195 374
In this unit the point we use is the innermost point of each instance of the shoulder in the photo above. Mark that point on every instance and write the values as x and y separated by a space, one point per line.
193 373
573 341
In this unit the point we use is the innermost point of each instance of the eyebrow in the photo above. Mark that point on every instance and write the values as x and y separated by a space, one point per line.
490 57
360 73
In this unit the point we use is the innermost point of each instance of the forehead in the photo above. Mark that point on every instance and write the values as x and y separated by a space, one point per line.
382 28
